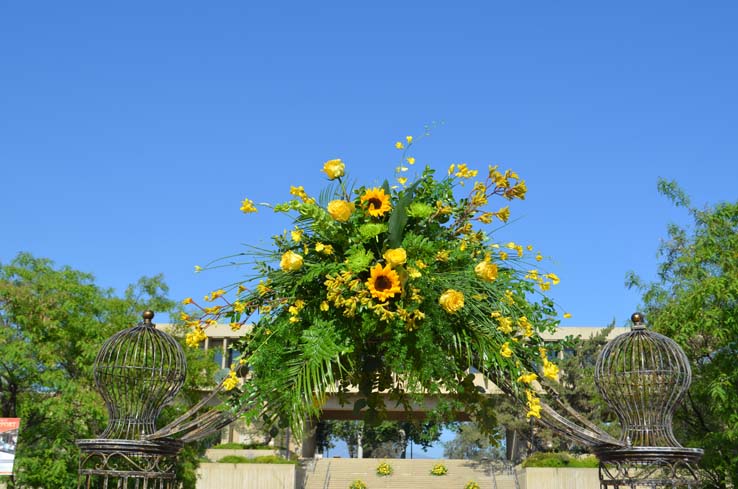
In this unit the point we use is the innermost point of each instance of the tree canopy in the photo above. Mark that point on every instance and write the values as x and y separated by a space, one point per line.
695 302
53 321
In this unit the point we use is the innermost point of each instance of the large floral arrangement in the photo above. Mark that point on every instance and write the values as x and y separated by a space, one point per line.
395 290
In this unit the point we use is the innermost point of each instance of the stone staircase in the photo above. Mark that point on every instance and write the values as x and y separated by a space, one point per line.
338 473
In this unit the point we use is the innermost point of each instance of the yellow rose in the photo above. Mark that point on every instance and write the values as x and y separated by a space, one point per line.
486 271
340 210
451 301
290 262
395 256
334 169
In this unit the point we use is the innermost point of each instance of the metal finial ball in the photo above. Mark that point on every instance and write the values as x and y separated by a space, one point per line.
148 315
637 318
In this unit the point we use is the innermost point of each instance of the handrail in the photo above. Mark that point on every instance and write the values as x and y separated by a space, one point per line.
327 476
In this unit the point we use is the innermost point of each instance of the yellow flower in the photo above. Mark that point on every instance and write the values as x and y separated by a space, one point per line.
231 381
528 378
402 180
324 248
410 161
297 235
324 306
290 261
505 350
395 256
235 326
383 283
340 210
247 206
451 168
377 201
509 297
334 169
539 257
503 255
198 269
451 301
567 315
486 271
409 139
399 145
554 278
550 370
505 324
187 300
503 214
239 307
442 255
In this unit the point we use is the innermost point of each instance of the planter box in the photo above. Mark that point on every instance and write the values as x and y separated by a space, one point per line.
558 478
245 476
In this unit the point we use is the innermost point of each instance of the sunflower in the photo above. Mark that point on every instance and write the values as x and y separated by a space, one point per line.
383 283
378 201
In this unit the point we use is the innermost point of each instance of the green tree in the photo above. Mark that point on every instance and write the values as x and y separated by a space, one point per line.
472 444
695 302
53 322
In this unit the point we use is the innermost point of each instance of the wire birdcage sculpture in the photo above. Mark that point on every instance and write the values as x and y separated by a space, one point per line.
643 376
138 371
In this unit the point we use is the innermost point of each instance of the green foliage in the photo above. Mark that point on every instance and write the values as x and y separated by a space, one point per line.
241 446
264 459
53 322
560 459
358 484
695 302
470 443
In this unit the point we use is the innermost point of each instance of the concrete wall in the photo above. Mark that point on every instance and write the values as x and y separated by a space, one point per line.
246 476
556 478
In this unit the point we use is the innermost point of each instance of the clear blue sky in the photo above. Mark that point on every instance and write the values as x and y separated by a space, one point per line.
130 131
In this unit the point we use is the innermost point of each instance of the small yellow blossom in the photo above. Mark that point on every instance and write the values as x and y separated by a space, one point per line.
451 301
554 278
550 370
409 139
539 257
297 235
324 306
410 161
505 324
509 297
198 269
528 378
247 206
235 326
442 256
486 271
290 261
187 300
505 350
334 169
340 210
399 145
239 307
395 256
503 255
324 248
567 315
231 382
529 247
402 180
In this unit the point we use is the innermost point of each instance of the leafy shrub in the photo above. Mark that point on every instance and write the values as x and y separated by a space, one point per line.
384 469
560 459
265 459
